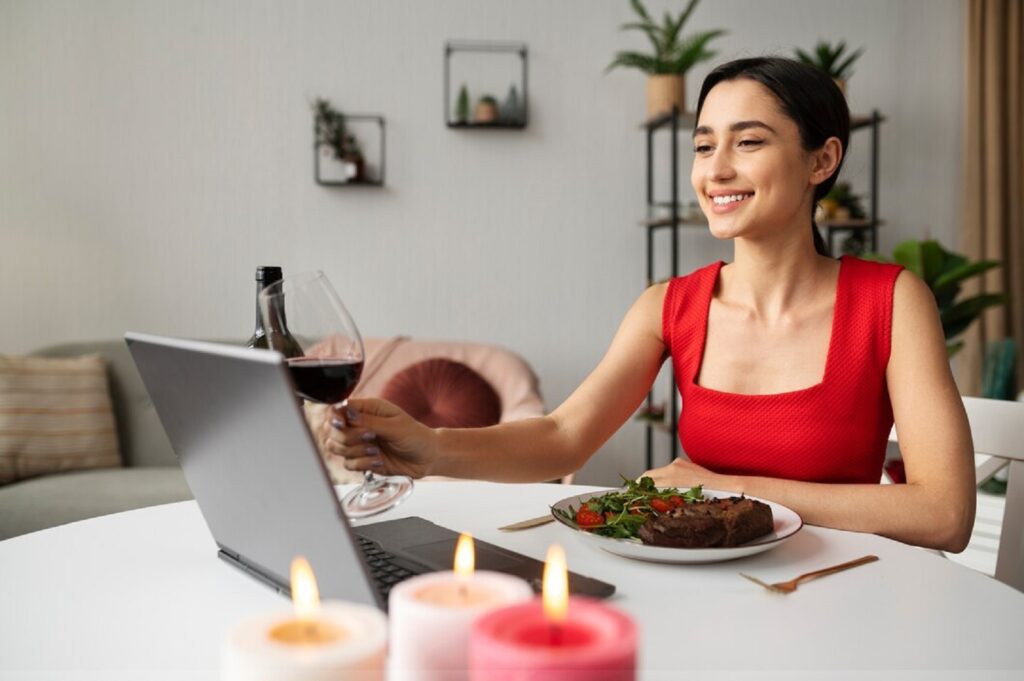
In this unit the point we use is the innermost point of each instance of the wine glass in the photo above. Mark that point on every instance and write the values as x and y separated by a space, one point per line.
306 321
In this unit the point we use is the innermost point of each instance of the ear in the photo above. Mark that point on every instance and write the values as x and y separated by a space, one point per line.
824 161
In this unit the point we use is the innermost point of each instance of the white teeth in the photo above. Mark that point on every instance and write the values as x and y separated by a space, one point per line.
723 200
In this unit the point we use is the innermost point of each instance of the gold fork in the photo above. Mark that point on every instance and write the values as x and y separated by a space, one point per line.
790 586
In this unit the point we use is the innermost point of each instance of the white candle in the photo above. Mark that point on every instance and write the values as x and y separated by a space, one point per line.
337 641
431 616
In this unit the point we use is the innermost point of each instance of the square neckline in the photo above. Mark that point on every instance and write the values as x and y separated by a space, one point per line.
829 354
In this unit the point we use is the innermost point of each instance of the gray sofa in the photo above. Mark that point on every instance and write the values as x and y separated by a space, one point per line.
150 475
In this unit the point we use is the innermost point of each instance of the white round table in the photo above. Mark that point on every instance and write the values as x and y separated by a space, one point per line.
142 595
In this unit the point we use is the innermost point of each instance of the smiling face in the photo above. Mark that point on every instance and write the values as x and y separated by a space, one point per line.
751 174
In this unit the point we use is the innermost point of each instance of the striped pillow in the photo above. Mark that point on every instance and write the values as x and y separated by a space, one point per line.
55 415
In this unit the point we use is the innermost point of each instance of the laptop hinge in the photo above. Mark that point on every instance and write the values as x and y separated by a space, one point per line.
253 571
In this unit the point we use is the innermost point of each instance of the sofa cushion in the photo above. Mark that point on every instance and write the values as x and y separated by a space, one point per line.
441 393
142 437
55 416
51 500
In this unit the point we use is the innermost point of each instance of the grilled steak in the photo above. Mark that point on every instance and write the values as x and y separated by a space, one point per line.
709 523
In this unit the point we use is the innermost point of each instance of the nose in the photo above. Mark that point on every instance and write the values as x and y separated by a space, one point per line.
719 165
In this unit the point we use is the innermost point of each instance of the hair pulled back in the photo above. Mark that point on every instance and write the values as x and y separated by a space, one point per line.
808 96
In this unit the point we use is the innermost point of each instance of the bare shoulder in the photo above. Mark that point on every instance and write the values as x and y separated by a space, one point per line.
648 307
913 305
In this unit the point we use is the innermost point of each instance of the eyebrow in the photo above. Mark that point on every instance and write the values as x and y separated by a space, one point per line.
738 126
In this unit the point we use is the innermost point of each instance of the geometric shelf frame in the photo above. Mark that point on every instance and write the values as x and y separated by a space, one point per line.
519 121
378 177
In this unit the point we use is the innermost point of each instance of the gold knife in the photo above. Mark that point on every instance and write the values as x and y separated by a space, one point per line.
527 524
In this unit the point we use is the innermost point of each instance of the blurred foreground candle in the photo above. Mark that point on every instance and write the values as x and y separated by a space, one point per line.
431 616
337 641
555 638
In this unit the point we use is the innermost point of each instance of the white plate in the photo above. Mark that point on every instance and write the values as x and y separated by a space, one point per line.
787 523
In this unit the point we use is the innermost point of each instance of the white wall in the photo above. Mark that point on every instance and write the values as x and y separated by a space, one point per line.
153 152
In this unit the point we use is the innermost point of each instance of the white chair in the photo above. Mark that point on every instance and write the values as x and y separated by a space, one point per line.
997 427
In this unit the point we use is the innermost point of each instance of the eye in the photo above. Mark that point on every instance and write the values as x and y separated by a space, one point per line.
751 143
701 148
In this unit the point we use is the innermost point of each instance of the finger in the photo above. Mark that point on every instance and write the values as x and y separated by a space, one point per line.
363 463
351 436
352 451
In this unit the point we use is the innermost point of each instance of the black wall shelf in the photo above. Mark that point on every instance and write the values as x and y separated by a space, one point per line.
374 179
508 120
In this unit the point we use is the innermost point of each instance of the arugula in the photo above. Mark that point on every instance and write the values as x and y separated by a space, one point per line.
625 510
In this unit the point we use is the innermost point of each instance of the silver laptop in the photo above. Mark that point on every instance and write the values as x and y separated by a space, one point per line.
239 432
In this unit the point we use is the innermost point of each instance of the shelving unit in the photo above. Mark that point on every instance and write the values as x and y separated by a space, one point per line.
872 222
674 122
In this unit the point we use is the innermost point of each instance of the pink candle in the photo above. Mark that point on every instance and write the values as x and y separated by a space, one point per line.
554 639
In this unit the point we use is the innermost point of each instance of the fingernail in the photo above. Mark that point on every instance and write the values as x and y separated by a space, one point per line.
373 451
376 463
352 414
338 423
369 436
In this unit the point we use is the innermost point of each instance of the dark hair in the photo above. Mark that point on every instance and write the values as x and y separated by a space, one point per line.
808 96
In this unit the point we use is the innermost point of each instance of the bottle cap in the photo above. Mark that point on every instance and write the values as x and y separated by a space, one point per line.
268 274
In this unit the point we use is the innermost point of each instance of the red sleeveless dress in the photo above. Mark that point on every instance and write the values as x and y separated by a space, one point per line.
835 431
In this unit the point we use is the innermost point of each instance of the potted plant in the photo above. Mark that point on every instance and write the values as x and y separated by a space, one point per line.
462 105
333 139
673 56
832 60
944 272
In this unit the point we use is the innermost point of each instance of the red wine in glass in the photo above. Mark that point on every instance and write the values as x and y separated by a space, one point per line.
328 381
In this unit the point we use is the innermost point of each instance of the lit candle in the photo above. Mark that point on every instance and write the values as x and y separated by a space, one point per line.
555 638
431 616
316 642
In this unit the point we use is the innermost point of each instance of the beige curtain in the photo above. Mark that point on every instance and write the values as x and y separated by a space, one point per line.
993 220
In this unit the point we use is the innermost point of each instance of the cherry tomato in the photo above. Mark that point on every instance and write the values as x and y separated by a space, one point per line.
587 518
661 506
676 501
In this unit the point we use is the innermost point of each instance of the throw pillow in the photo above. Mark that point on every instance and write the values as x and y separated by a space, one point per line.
55 415
441 393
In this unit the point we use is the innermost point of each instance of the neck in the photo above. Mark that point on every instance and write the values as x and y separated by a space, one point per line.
771 277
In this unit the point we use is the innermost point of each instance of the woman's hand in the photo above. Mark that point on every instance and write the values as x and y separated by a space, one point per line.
685 474
373 434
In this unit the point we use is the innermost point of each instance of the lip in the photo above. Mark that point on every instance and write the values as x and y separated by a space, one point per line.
729 207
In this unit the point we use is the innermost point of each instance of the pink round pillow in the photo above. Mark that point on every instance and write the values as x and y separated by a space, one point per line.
441 393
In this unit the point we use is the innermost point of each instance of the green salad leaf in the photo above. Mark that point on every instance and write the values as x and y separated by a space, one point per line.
623 511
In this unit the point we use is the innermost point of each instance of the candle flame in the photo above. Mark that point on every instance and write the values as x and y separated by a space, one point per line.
465 557
556 585
305 594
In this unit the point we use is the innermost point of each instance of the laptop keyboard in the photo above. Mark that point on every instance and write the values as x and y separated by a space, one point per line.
382 566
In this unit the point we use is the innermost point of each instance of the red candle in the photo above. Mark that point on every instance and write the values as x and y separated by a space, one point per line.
555 638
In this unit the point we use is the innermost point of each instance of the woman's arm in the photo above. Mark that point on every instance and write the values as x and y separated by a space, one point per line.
936 506
530 450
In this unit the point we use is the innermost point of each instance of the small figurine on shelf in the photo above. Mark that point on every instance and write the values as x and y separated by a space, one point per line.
462 106
352 158
511 108
486 110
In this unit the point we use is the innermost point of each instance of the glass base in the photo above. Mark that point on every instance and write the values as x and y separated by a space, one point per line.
376 495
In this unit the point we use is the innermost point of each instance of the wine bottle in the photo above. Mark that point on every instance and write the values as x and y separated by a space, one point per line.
267 275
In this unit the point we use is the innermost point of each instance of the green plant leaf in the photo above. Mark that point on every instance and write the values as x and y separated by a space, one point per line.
842 70
645 63
956 275
932 258
953 348
908 254
965 311
694 50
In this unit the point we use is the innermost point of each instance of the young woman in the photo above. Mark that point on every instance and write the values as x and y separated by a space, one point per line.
792 365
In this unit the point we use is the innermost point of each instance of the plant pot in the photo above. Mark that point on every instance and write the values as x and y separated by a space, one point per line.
485 112
665 92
